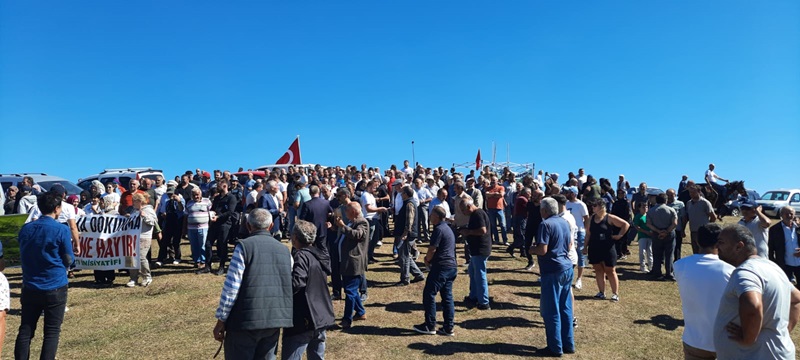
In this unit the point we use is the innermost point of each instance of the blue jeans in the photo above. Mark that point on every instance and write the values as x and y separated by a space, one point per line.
440 280
495 216
290 222
556 309
352 300
197 241
579 243
294 346
478 286
34 303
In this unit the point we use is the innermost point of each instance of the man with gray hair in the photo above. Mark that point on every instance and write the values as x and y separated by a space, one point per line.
552 249
270 201
255 304
759 307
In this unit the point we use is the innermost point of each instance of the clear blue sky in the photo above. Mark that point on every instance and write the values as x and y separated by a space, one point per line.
649 89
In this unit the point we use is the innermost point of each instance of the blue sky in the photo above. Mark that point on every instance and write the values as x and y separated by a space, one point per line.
649 89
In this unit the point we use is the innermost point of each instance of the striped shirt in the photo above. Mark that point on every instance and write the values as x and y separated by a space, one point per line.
198 214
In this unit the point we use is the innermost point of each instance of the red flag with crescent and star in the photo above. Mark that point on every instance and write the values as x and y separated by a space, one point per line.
292 156
478 160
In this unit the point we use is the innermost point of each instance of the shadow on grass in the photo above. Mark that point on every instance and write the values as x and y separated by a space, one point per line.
381 331
456 347
501 305
499 323
628 274
529 295
662 321
514 282
402 307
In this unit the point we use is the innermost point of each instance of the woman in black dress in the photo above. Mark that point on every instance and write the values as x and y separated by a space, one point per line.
600 241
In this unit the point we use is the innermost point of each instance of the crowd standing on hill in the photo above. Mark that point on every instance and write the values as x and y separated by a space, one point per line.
336 217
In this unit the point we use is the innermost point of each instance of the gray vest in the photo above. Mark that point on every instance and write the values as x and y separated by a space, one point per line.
265 295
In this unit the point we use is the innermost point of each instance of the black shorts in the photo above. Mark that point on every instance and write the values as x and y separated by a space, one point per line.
603 253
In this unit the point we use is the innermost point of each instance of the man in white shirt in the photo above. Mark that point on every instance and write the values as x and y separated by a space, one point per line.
441 200
581 214
407 170
702 278
425 196
758 224
371 212
712 177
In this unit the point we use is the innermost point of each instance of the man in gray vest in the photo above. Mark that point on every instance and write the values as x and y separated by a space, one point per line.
256 300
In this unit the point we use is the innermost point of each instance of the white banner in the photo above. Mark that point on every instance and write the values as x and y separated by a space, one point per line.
108 242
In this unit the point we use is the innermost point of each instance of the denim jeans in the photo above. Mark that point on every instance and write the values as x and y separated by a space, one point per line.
336 275
495 216
478 286
293 347
252 344
440 280
197 241
579 243
352 300
556 309
407 264
663 250
34 303
290 222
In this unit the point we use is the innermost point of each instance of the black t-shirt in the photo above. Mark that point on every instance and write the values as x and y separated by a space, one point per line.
479 245
444 241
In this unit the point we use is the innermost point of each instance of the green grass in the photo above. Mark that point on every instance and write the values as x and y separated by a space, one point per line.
9 229
174 317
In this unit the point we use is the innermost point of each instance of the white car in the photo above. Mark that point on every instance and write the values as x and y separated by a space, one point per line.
772 201
121 176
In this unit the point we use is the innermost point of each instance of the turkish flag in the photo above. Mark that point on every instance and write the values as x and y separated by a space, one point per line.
478 160
292 156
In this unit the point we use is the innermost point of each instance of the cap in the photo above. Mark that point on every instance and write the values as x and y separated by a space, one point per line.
429 177
207 175
170 190
172 183
300 180
234 179
554 176
748 204
398 182
58 190
574 189
471 178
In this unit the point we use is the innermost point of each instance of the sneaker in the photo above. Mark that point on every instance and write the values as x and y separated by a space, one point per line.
220 271
131 284
615 298
203 270
417 279
360 317
578 284
364 297
159 264
402 283
445 332
574 323
600 296
379 243
394 256
424 329
176 262
484 307
530 267
147 281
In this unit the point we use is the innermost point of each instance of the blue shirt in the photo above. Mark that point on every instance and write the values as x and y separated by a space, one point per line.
45 248
555 233
444 241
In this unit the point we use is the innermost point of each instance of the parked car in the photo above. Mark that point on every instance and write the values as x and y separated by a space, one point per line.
41 179
122 177
772 201
651 191
734 206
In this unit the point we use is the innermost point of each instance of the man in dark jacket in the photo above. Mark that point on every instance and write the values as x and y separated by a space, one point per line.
316 211
256 300
225 216
313 310
354 247
406 230
777 243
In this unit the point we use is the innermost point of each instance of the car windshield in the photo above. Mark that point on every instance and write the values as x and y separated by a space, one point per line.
70 187
776 195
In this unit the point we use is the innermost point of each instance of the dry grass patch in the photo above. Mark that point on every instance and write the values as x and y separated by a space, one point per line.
173 318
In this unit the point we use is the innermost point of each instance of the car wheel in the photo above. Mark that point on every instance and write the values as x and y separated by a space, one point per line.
735 212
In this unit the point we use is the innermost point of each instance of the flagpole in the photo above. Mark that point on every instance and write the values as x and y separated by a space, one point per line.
413 157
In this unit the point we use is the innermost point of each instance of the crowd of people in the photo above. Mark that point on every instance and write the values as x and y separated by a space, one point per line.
336 217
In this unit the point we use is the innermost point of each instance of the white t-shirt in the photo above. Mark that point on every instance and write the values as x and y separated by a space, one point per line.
5 294
711 177
67 213
766 278
760 234
578 210
702 278
573 229
251 198
368 199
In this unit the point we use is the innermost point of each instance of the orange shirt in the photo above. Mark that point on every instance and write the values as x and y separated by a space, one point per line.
496 200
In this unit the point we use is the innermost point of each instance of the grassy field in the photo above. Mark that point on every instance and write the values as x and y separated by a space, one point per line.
174 317
9 228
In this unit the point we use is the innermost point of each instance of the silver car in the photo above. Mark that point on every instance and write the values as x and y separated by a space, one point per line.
772 201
